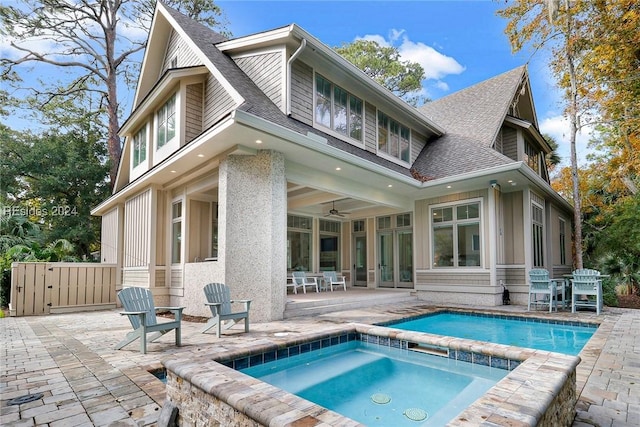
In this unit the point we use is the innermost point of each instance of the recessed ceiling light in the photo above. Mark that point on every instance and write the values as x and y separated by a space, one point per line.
258 141
200 155
390 185
510 181
173 171
448 186
338 168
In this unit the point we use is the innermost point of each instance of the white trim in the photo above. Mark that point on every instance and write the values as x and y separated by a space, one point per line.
481 228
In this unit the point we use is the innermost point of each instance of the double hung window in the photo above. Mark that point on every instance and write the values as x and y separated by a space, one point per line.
393 138
299 243
456 235
166 119
140 146
337 109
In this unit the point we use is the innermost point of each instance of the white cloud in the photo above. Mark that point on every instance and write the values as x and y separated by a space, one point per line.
436 65
558 127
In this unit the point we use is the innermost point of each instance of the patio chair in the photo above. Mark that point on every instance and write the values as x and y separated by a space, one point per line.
300 279
139 307
542 289
219 301
332 279
586 283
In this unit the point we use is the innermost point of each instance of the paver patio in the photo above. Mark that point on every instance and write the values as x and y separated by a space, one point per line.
69 358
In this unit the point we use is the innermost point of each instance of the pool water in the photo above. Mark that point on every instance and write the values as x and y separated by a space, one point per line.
379 385
521 332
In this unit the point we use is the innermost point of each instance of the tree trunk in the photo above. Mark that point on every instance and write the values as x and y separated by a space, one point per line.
573 125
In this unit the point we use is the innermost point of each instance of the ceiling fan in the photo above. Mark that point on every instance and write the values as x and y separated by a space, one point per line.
334 212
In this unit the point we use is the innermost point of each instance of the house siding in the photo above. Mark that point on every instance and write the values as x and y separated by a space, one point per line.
266 72
302 92
110 237
137 230
193 116
370 128
510 142
513 229
217 102
178 49
418 142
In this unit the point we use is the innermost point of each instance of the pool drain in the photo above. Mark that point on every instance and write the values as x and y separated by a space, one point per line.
25 399
416 414
380 398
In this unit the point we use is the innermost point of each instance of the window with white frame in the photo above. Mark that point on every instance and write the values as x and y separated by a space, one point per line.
176 232
338 109
329 245
299 243
140 146
166 119
456 235
563 242
393 138
537 235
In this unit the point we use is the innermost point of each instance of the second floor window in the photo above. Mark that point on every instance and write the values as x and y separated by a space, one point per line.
140 146
337 109
167 121
393 138
532 157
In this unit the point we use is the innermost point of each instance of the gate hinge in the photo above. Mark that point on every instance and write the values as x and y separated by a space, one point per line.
50 286
49 304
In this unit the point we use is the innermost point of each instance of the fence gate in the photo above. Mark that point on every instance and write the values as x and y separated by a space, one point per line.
39 288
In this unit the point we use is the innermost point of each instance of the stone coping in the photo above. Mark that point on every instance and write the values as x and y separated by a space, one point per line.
541 381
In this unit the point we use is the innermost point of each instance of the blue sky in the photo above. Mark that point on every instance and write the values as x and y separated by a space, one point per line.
458 42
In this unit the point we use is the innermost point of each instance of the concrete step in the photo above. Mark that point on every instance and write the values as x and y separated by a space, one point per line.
318 305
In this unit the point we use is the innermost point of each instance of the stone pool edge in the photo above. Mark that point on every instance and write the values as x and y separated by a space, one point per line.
541 389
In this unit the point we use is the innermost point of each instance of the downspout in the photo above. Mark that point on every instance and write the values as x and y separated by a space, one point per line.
289 62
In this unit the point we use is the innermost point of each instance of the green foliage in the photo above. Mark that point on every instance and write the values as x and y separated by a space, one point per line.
383 64
54 179
609 295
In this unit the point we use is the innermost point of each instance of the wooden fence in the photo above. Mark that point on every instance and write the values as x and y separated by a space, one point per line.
39 288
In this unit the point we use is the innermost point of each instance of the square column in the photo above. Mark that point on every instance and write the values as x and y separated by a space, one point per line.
252 231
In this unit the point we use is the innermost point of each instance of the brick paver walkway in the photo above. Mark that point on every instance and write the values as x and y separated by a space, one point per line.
69 358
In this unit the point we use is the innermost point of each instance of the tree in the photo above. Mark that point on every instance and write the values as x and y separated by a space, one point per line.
557 25
96 40
552 159
383 65
55 178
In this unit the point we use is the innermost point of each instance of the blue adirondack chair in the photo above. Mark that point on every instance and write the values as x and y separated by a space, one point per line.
219 301
139 307
586 283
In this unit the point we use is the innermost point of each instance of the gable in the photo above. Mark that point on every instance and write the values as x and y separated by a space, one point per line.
178 54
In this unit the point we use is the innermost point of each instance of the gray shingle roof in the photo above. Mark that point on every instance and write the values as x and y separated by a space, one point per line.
256 102
471 118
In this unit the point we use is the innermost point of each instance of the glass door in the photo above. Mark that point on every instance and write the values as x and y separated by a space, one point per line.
405 259
385 260
360 260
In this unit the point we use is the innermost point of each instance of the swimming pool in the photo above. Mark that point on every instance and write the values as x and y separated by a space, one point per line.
381 385
540 334
540 388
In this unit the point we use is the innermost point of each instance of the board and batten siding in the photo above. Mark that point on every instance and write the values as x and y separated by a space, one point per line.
137 232
178 49
217 102
266 72
110 236
302 92
193 113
